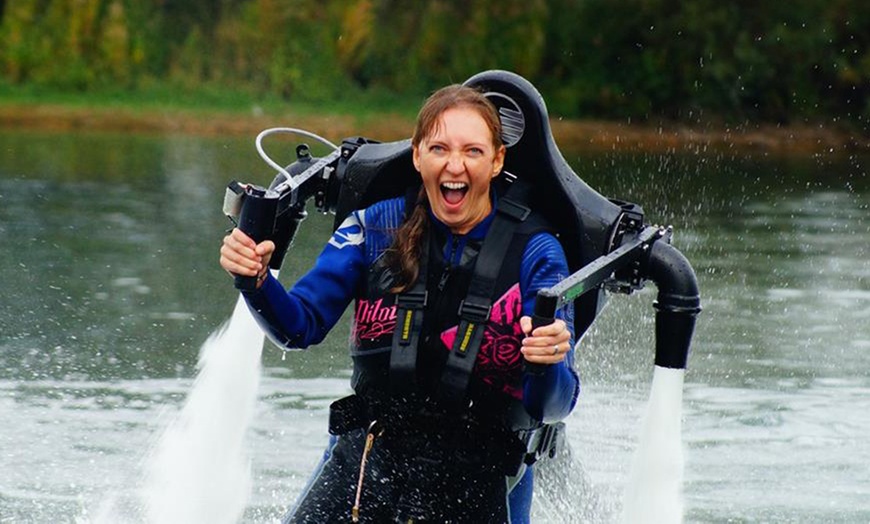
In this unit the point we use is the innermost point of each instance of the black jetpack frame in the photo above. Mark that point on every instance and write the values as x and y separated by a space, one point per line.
608 246
274 213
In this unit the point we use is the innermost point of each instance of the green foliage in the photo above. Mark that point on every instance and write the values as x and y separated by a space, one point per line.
738 60
643 59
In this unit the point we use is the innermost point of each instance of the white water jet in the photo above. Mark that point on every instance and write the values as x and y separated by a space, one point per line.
199 471
654 491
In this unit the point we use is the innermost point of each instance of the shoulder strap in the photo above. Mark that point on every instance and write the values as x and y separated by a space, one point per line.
409 324
475 309
409 314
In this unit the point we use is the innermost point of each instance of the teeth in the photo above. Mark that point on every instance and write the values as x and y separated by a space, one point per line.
454 185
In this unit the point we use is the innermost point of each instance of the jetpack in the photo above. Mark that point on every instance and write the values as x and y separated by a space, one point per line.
609 247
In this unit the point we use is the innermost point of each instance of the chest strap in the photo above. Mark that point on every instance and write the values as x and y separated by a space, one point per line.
474 310
409 325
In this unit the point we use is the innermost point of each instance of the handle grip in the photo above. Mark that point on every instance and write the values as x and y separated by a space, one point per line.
544 314
286 226
257 220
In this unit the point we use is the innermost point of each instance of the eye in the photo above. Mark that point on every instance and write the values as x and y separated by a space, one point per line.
436 148
475 151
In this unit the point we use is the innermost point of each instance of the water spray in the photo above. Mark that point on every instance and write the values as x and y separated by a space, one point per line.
199 471
654 492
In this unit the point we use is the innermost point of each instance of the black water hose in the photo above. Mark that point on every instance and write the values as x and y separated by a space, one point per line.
677 304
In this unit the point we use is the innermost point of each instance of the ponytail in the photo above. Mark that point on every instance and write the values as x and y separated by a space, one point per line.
403 257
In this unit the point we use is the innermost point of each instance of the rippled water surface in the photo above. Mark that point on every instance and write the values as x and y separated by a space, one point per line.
110 286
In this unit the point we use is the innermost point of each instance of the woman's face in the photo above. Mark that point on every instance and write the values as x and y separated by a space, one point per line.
457 162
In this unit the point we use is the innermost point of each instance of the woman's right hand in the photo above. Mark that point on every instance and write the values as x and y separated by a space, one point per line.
240 255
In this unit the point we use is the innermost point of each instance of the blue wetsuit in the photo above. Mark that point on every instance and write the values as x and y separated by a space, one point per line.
303 316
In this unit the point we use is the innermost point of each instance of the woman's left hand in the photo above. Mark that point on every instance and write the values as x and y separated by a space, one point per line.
546 344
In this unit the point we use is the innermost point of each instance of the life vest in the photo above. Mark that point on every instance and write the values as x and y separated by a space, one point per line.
430 328
441 361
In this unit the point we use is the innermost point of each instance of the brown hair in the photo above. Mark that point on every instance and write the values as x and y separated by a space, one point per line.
403 257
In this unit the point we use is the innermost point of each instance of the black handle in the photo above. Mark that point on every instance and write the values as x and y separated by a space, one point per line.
257 220
286 226
544 314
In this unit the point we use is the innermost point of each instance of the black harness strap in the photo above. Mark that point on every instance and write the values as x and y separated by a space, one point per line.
475 309
409 325
409 316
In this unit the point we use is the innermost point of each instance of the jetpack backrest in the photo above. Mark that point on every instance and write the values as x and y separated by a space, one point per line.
375 172
584 220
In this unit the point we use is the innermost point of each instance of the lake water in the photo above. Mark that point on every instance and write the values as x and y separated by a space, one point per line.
110 285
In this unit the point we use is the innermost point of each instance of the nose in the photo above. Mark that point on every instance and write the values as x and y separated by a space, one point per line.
455 163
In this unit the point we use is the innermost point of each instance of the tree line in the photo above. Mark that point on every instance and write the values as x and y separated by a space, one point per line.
688 60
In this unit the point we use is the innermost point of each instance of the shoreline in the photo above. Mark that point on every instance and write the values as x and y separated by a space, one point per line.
581 135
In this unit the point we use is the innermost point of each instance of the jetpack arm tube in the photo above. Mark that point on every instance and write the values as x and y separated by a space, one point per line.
275 213
677 304
591 276
586 279
286 226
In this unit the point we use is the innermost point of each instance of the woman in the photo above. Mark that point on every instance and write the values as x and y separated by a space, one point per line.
430 434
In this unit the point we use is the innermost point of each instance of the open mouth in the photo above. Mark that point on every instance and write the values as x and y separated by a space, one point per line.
454 192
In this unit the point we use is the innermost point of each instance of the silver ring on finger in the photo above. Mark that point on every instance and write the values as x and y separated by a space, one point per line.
555 348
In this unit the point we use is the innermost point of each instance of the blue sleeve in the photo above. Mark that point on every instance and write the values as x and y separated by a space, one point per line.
303 315
551 396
